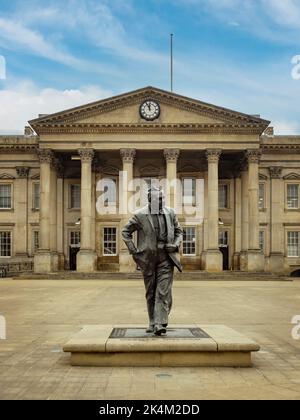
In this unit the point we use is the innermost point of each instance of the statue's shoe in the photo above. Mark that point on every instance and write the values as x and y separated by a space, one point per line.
159 330
150 329
165 325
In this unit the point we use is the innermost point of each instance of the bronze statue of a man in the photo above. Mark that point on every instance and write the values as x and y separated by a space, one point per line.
158 239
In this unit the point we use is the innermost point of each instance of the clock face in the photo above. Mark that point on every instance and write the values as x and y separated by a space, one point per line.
150 110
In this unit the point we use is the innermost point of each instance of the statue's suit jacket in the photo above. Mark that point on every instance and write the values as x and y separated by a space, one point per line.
145 253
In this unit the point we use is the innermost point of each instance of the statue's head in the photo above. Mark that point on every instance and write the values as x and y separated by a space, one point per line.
156 199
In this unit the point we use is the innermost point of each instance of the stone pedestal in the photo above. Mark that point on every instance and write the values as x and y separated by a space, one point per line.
276 263
86 261
213 261
254 261
44 262
183 345
236 261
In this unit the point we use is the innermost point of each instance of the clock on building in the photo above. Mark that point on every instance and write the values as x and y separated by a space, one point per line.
150 110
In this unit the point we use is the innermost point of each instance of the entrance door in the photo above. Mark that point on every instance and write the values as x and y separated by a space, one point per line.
73 253
74 248
224 248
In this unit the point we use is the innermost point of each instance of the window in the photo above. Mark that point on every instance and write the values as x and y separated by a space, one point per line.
75 196
189 191
223 196
261 196
75 238
262 240
293 196
36 196
110 241
223 238
5 196
110 191
189 241
5 244
293 244
36 243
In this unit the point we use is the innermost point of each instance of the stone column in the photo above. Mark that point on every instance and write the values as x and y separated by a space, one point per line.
95 166
213 258
53 213
171 156
205 229
43 262
255 258
60 216
126 263
244 218
237 220
276 260
86 257
21 194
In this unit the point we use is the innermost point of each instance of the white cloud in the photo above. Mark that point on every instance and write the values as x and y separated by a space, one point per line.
93 21
286 128
25 101
273 20
16 35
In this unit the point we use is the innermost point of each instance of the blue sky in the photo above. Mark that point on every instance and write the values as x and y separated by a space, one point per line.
233 53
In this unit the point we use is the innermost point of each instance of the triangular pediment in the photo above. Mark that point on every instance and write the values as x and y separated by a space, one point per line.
6 176
292 176
123 111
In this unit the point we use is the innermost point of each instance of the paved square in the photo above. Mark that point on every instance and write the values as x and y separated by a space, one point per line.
41 315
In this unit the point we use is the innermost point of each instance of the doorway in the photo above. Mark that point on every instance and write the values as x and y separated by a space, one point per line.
224 248
73 250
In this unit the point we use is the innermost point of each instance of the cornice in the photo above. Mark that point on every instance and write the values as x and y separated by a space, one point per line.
149 128
16 148
280 148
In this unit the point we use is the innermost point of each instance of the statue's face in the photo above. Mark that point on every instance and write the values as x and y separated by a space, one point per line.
156 200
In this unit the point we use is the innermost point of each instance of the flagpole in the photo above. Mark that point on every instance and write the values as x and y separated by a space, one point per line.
171 35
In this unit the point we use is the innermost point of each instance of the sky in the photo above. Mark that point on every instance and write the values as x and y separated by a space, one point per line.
240 54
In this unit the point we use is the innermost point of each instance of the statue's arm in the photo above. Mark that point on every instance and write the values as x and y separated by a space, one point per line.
132 226
178 232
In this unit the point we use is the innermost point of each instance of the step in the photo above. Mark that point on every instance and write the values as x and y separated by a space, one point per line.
185 276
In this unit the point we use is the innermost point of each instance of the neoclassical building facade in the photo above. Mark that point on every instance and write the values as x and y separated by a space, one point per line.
49 185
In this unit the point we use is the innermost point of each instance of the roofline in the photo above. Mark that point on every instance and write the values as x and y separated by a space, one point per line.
140 90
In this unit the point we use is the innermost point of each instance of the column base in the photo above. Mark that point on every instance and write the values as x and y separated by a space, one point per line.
45 262
252 260
126 262
236 261
276 262
61 261
86 261
213 261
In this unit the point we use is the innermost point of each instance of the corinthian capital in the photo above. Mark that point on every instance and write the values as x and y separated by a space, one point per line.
253 156
171 155
45 155
22 172
213 155
86 155
128 155
275 172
